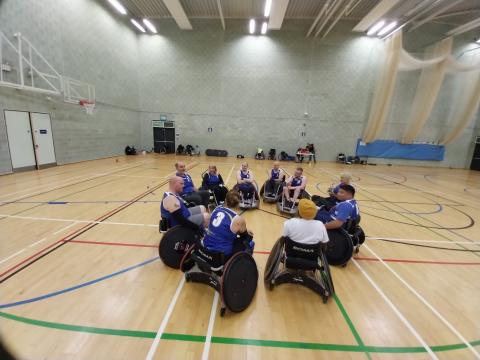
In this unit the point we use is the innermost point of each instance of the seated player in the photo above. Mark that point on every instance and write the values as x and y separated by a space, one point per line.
224 226
295 185
213 181
190 192
345 210
311 149
277 177
332 200
174 209
305 230
245 181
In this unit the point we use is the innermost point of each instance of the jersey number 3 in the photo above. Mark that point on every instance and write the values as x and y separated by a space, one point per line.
218 219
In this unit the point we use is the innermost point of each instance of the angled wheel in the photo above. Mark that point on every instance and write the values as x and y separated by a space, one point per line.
339 248
239 282
273 260
326 274
174 243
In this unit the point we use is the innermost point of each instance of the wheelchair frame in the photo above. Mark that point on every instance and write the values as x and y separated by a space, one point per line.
315 275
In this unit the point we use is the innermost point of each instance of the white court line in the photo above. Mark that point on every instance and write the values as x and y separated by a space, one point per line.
424 241
211 322
75 220
21 251
427 304
229 174
164 323
64 228
61 183
397 311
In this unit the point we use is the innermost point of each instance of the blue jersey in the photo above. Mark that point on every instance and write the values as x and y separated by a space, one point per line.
275 174
345 210
297 181
213 180
219 237
245 175
168 215
187 184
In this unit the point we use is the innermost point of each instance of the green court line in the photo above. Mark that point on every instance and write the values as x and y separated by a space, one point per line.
354 331
234 341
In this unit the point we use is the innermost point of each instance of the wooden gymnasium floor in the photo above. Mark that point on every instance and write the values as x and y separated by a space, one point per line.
80 276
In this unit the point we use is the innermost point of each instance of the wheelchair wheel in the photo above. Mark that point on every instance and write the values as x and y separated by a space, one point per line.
326 274
187 262
262 190
273 260
360 235
174 243
239 282
339 248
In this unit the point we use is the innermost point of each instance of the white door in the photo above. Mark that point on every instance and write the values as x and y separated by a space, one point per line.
20 139
43 138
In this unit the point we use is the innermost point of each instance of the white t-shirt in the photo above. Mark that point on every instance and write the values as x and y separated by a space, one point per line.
305 231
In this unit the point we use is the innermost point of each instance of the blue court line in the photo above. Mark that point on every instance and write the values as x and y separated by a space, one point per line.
76 287
57 202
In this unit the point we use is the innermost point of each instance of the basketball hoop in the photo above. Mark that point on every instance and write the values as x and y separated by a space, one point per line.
89 106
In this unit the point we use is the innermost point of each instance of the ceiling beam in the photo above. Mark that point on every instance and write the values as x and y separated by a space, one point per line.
319 16
442 9
277 14
339 16
331 11
220 11
464 28
375 14
178 14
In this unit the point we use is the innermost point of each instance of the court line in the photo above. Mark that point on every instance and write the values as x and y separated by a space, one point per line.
234 341
86 178
427 304
211 323
98 222
65 228
166 317
426 241
268 253
79 232
396 311
352 328
76 287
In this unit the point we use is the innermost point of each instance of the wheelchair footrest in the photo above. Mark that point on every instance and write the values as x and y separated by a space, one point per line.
204 278
304 280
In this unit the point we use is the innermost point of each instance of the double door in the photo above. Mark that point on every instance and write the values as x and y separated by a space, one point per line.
164 140
30 140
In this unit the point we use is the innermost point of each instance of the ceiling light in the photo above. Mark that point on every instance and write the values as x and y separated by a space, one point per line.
252 26
387 28
268 7
150 26
264 28
374 29
118 6
137 25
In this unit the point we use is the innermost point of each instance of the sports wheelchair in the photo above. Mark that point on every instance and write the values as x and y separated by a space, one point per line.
285 206
176 242
234 277
217 194
246 202
272 194
344 242
304 264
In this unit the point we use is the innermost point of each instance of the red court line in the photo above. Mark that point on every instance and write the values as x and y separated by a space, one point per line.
111 243
268 253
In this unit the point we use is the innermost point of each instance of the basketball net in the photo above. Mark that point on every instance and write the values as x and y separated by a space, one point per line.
89 106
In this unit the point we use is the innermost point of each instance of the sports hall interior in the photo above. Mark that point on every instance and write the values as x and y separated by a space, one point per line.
386 90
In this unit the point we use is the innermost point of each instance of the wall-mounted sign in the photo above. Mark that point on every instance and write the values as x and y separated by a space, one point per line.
43 131
157 123
163 117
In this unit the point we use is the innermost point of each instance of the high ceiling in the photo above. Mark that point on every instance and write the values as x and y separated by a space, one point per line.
412 12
